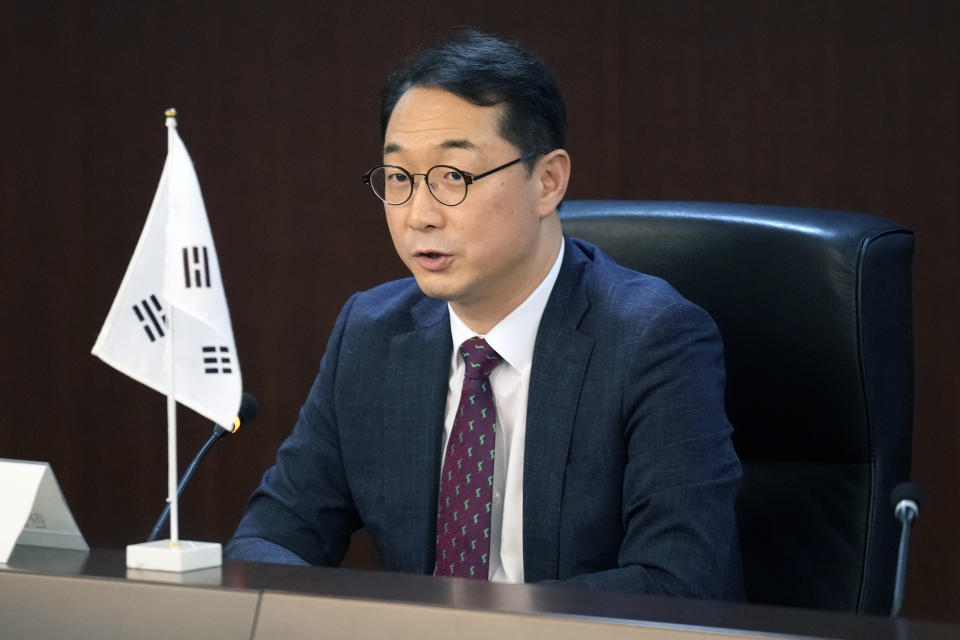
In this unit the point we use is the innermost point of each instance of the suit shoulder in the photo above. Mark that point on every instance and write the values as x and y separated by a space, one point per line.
617 293
393 305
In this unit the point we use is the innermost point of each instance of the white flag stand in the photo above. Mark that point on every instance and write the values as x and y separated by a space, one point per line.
165 555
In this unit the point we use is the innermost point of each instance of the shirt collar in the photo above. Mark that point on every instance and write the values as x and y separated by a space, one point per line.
514 336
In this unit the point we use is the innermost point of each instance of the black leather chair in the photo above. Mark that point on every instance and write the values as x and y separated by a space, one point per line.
815 311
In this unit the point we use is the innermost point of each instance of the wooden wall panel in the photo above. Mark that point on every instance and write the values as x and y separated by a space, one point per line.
849 105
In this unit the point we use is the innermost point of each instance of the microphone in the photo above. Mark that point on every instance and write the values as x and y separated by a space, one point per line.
249 408
906 499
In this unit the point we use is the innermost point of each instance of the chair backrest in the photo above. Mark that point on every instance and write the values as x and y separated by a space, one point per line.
814 307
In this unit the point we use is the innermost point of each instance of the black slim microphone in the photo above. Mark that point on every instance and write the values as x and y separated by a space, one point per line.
249 408
906 499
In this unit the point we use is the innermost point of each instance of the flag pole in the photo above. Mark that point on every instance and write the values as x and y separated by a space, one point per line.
171 123
172 440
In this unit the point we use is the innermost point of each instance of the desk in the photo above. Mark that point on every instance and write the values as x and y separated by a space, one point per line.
54 593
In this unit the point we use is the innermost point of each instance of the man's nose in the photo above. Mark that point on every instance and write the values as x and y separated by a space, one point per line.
424 208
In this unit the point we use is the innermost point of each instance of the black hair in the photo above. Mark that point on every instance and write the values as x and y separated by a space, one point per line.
486 70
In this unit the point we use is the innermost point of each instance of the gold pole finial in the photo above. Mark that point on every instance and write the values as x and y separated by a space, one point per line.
170 113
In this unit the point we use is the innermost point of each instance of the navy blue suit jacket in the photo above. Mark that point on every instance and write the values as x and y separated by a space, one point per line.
630 477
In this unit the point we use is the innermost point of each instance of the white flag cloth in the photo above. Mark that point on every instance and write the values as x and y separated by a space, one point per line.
174 274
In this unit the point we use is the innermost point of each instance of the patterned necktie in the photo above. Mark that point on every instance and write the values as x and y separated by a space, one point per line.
466 482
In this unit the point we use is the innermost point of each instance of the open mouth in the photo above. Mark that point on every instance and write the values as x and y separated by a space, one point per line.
432 260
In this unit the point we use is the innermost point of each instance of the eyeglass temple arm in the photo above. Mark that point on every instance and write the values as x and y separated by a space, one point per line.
471 178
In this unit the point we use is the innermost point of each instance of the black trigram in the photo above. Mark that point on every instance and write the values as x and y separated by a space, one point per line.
216 360
196 264
150 313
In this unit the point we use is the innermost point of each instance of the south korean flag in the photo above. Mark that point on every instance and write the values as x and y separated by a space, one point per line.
174 280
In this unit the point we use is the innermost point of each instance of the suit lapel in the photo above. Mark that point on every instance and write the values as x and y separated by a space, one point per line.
419 364
560 359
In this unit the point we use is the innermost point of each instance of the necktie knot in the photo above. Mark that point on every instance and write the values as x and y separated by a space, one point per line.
479 358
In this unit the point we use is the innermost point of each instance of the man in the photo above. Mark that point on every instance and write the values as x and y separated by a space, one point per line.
595 392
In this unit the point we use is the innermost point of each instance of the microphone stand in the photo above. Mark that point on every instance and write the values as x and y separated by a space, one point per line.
906 508
218 432
901 567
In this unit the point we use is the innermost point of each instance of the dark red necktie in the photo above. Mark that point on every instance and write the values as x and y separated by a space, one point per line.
466 482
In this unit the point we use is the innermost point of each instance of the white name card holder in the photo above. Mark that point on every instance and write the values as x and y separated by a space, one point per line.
33 511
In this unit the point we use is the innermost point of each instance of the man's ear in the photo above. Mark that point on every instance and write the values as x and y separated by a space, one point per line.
553 173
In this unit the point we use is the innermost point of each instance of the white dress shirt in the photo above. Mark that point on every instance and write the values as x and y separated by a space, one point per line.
513 338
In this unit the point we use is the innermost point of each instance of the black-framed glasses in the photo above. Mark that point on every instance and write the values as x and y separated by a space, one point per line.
394 184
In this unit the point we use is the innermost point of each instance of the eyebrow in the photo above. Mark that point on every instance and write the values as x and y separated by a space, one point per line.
459 143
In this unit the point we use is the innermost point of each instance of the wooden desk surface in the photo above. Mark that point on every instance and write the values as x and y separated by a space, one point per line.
47 592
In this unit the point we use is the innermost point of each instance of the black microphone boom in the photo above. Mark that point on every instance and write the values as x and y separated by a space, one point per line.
906 499
249 408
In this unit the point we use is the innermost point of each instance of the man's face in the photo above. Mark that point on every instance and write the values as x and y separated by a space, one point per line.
489 251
